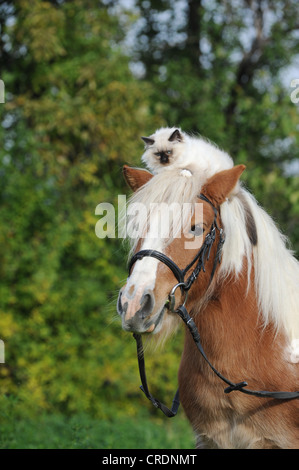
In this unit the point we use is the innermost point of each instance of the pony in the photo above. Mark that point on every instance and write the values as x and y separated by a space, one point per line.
244 302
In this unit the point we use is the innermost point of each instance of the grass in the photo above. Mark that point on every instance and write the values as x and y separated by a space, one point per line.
85 432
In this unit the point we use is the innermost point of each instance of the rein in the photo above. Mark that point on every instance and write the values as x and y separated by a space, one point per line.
199 262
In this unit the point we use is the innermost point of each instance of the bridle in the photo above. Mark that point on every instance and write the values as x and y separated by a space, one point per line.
198 262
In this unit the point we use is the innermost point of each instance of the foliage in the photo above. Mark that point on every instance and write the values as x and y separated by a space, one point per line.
218 68
73 115
81 431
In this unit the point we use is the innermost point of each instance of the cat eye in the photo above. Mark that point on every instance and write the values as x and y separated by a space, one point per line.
160 154
196 230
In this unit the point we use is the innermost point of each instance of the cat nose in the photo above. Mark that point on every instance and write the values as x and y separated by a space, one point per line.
164 159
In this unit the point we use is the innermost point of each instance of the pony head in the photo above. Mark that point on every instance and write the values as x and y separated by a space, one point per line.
143 301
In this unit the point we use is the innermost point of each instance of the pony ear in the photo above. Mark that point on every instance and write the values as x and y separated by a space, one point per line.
148 141
176 135
222 184
136 177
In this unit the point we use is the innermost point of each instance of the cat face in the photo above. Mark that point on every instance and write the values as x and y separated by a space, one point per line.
162 148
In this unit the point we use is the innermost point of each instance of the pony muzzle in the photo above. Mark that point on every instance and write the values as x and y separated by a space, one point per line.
135 311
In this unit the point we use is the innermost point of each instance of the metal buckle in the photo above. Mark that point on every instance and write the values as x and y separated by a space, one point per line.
171 297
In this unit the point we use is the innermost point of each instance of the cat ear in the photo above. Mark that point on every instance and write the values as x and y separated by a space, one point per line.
136 177
176 135
148 141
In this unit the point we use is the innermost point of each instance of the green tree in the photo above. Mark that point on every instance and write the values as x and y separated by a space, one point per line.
218 70
72 115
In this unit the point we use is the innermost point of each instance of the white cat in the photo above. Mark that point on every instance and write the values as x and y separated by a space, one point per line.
170 148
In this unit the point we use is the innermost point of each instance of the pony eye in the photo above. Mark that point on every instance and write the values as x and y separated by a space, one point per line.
197 230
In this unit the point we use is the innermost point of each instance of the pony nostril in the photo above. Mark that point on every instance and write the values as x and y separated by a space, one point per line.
124 308
147 304
135 309
121 309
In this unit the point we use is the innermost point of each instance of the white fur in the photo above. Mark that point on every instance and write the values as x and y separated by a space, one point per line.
191 154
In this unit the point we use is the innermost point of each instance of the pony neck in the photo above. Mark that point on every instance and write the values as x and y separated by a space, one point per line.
229 322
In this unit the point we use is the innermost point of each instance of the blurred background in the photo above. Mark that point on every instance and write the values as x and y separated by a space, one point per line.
84 80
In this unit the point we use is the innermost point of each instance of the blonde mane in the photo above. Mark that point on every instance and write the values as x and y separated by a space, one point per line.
276 269
165 188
